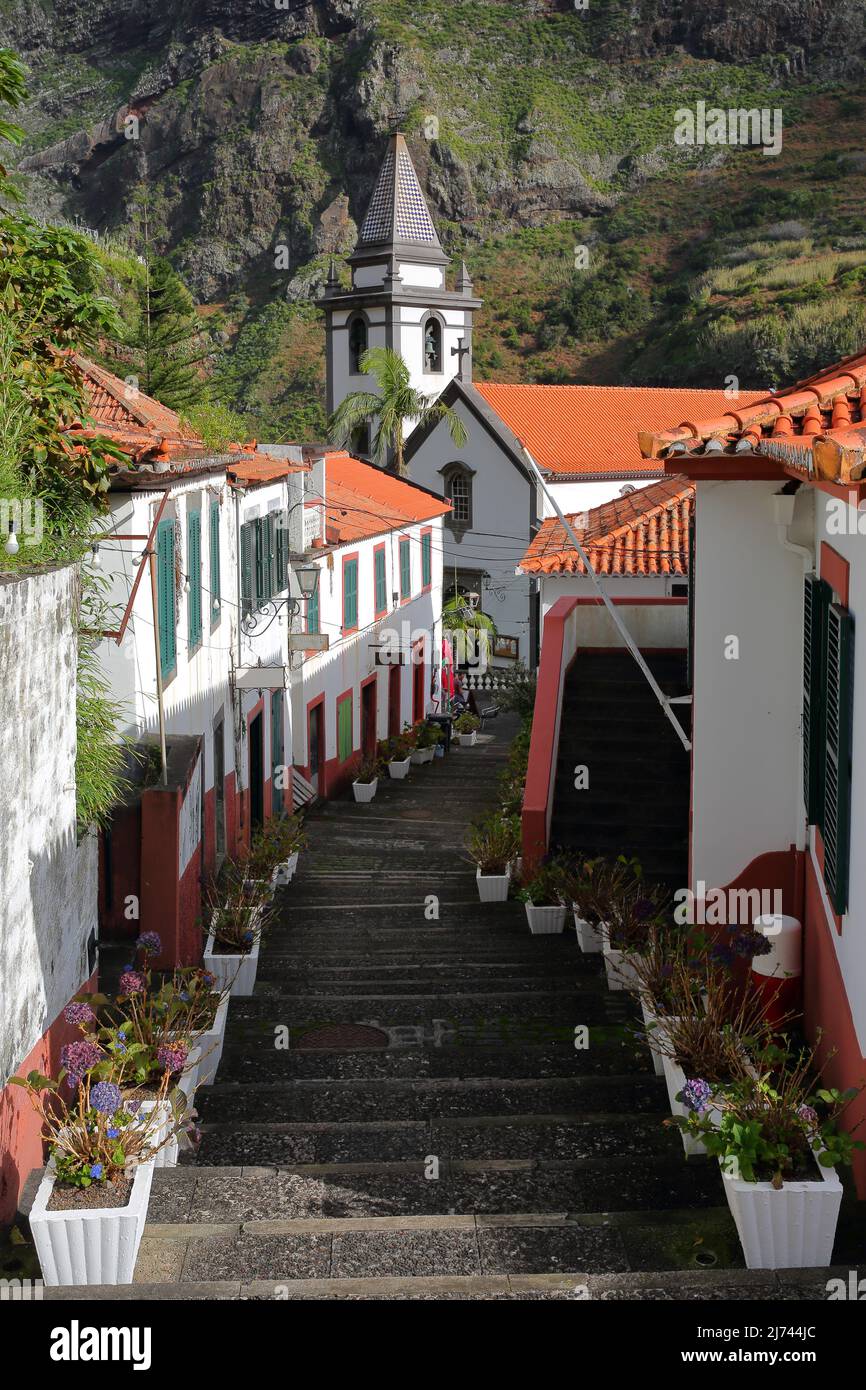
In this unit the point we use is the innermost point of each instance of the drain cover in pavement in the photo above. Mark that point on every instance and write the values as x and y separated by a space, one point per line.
345 1036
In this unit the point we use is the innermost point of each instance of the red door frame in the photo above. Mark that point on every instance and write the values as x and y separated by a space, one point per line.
314 705
395 700
368 747
419 682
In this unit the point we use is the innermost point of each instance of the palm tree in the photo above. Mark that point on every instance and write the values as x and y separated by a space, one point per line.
396 401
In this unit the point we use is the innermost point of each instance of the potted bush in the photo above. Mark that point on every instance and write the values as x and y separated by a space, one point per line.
778 1147
576 886
237 917
427 737
366 780
274 851
399 757
543 898
633 914
492 845
466 727
89 1213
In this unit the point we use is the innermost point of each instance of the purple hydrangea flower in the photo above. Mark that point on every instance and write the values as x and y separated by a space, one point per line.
208 978
97 1170
172 1056
751 943
78 1013
105 1097
696 1096
722 955
643 909
150 942
113 1133
132 982
78 1057
808 1116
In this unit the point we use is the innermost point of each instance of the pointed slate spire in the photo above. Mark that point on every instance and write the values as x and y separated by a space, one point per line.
398 212
464 280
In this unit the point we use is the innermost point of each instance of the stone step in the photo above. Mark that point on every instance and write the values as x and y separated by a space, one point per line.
590 1188
542 1138
311 1101
263 1063
264 1011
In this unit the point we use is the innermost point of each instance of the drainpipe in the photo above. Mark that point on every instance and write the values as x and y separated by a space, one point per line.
783 511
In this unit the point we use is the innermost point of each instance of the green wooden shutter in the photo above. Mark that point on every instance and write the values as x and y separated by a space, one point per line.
277 760
264 560
193 563
313 613
381 582
166 596
405 570
837 753
247 547
214 537
281 523
426 560
344 729
816 601
350 595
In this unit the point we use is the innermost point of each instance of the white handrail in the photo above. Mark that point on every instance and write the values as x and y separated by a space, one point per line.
624 633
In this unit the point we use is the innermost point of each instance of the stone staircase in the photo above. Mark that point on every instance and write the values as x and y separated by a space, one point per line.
476 1154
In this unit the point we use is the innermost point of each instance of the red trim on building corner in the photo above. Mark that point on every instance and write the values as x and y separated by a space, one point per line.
836 570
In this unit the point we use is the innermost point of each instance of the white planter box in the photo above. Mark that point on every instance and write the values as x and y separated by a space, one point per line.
211 1044
399 770
285 872
651 1023
419 756
589 938
493 888
468 740
166 1156
545 921
792 1228
97 1245
365 791
234 972
618 965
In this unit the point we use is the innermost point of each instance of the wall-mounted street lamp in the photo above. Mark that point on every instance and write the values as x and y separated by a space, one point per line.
254 624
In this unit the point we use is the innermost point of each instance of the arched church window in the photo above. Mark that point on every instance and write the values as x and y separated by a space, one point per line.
432 345
458 490
357 343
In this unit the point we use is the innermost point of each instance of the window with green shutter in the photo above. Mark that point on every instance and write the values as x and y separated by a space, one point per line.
816 601
165 550
281 527
838 723
405 570
214 537
264 547
344 728
426 560
247 563
313 613
350 595
193 575
381 595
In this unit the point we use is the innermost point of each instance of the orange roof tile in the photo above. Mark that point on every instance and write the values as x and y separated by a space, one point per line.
126 414
262 468
590 430
644 533
786 424
362 500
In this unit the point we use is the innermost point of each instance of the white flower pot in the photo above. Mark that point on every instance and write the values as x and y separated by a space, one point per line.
545 921
588 936
166 1155
468 740
236 972
493 888
211 1044
618 965
285 872
96 1245
399 770
651 1024
422 755
793 1227
365 791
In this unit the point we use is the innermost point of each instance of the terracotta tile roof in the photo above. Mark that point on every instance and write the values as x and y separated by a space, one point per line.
820 420
593 430
643 533
252 467
123 414
362 500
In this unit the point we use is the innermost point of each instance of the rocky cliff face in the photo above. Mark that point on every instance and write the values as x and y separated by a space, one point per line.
259 125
